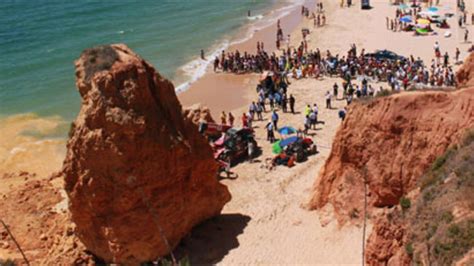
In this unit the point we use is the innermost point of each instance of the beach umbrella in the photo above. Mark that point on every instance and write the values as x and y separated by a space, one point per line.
427 13
406 19
422 31
403 6
287 130
423 22
433 9
288 141
422 26
276 148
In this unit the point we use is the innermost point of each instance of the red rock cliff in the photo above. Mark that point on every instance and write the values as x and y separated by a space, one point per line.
390 142
465 75
135 166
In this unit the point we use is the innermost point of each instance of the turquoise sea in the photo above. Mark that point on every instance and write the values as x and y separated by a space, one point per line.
39 41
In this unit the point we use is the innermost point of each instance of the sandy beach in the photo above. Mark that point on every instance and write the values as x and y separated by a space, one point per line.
267 220
231 92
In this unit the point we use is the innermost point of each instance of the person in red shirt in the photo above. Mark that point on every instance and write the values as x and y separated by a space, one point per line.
244 120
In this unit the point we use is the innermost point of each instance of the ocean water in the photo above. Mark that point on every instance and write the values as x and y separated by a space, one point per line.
39 40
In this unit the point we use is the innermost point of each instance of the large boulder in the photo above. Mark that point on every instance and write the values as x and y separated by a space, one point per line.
138 174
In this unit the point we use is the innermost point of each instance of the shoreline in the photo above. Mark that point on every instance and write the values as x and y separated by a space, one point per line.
185 75
226 91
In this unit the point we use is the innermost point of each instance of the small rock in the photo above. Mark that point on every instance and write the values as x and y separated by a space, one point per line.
4 244
43 237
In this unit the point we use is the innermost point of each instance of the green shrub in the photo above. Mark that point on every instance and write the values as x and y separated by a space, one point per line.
454 230
447 217
409 249
383 93
468 137
439 162
405 203
7 262
428 195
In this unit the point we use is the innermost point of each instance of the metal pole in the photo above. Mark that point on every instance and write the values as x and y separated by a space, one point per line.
14 240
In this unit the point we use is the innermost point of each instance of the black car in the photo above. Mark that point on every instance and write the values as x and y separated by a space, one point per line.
386 55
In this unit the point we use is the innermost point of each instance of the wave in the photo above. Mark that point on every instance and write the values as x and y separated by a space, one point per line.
197 67
255 17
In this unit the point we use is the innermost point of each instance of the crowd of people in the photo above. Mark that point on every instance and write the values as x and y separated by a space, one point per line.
358 70
301 63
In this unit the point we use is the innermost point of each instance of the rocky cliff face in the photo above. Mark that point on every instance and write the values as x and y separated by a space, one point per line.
389 143
465 75
138 174
198 113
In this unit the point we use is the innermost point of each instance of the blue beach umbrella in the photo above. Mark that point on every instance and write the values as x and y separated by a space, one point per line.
286 130
406 19
288 141
433 9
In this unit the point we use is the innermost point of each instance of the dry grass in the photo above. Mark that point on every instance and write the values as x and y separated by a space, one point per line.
435 232
98 59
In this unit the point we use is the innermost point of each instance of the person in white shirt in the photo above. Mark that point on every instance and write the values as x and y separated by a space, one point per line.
328 100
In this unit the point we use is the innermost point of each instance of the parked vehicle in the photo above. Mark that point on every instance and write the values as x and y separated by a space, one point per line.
233 145
385 55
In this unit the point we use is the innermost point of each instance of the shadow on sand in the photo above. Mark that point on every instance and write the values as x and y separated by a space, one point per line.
210 241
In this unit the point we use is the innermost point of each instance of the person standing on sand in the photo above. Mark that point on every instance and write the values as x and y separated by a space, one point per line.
249 120
216 64
313 118
342 113
307 110
244 120
231 119
259 111
270 135
223 118
272 101
466 35
202 55
328 100
335 89
292 103
457 55
307 124
250 148
252 110
275 118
